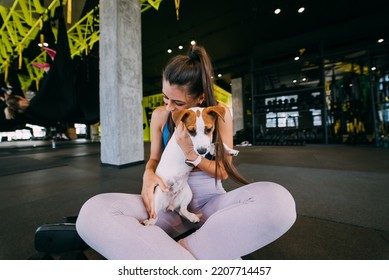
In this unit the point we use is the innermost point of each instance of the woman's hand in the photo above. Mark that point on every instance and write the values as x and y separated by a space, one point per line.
184 141
150 182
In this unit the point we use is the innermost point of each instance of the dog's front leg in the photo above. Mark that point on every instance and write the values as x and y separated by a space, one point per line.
227 149
186 198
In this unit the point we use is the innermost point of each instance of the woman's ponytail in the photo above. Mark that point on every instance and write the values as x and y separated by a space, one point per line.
193 71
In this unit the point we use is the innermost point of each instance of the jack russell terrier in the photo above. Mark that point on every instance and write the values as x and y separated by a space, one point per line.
173 167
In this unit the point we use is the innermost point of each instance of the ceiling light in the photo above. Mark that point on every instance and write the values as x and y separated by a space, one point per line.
180 47
296 58
193 42
277 11
169 50
304 79
294 81
301 10
373 68
380 40
219 75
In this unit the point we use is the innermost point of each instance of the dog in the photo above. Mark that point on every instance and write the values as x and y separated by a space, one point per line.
173 169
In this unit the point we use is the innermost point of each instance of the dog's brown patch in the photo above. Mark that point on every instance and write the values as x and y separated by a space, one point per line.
215 111
209 115
190 121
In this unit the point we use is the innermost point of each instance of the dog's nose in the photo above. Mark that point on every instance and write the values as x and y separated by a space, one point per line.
201 151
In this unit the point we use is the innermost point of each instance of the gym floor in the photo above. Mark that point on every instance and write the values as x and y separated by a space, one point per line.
341 193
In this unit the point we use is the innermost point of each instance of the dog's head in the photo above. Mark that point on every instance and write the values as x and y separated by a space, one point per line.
200 123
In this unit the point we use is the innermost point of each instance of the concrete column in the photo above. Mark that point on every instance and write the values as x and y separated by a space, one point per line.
121 116
237 103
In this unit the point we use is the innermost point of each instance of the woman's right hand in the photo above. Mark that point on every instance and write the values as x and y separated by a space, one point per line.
150 182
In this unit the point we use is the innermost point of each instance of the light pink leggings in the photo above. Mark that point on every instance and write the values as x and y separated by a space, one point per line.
233 223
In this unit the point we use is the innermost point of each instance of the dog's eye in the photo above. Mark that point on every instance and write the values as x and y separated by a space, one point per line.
208 130
192 132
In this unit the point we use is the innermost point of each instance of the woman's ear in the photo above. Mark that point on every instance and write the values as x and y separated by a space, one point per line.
201 99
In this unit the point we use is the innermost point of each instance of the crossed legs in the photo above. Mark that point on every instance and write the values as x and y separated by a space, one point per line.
233 224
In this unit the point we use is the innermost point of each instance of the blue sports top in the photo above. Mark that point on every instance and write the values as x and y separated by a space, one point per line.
165 134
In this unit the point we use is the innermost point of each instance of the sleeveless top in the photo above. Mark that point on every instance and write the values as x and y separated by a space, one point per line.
165 135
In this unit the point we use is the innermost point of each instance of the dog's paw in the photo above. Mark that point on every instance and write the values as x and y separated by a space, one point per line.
230 151
212 149
233 152
149 222
195 218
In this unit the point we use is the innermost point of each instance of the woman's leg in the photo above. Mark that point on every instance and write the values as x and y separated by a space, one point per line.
110 224
242 221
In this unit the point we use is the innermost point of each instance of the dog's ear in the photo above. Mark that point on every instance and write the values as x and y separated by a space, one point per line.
217 111
180 115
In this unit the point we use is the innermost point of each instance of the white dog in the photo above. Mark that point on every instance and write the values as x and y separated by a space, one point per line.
173 167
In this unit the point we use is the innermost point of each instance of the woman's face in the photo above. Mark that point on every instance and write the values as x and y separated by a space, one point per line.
176 97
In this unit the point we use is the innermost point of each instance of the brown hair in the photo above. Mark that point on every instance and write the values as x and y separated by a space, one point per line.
12 102
13 105
193 71
220 157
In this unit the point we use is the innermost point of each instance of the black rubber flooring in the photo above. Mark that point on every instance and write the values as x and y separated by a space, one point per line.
341 193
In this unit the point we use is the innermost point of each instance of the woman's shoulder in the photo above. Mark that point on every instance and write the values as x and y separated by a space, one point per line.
160 115
222 105
160 111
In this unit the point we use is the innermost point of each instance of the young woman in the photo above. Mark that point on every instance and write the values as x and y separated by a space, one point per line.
15 104
233 223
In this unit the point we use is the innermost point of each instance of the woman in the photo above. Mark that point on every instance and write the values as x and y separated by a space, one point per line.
233 223
15 104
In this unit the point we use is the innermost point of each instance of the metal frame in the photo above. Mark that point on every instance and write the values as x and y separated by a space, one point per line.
21 25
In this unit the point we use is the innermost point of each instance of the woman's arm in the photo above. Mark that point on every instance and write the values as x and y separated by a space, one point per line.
150 179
